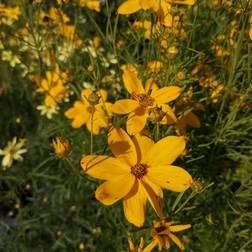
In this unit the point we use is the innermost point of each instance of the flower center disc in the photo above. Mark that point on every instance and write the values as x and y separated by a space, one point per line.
143 99
139 170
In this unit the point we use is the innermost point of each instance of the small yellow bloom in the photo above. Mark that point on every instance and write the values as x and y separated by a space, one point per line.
188 120
82 246
144 99
162 8
10 12
162 233
94 115
61 146
138 172
53 86
90 4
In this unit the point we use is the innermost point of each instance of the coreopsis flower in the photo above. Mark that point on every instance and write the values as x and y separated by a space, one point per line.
53 86
188 120
144 99
61 146
154 66
90 4
138 171
13 151
161 8
92 111
162 233
12 13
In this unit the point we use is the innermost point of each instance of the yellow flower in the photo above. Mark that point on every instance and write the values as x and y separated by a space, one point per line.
143 100
10 12
91 4
162 234
85 112
138 172
162 8
154 66
61 146
52 86
189 120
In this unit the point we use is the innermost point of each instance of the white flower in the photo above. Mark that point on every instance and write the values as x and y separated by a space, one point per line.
13 151
48 111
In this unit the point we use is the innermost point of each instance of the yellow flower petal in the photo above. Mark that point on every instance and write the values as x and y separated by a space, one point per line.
129 7
186 2
78 113
142 143
157 190
170 177
113 190
170 116
178 228
132 83
103 167
165 151
150 86
136 121
177 241
165 94
125 106
151 246
153 198
134 205
122 146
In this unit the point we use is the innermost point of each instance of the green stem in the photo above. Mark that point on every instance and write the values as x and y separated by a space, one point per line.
70 163
91 135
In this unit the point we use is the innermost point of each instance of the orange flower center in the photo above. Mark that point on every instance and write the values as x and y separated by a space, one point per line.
139 170
143 99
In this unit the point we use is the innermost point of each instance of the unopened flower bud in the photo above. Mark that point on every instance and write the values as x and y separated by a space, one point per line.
172 52
61 146
156 115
